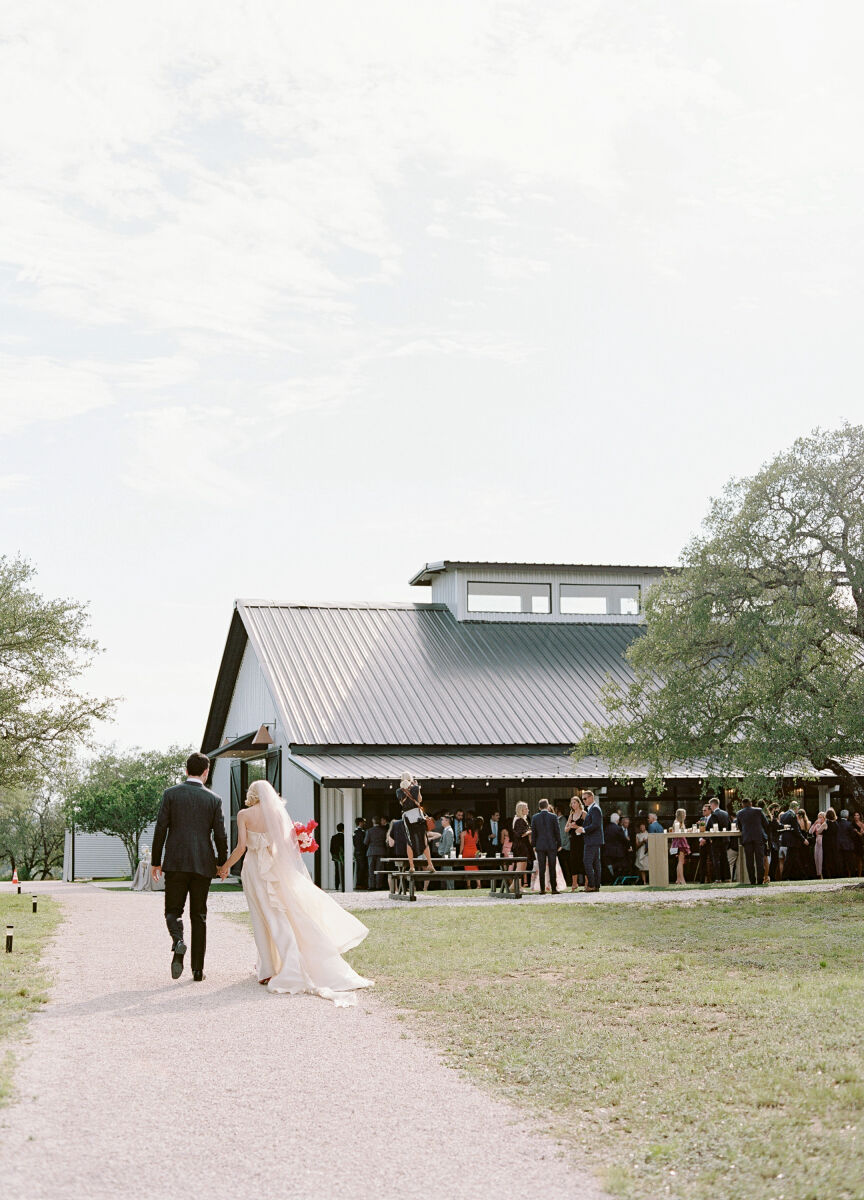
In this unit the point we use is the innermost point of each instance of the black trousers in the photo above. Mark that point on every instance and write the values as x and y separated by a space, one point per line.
547 859
361 870
754 856
592 867
719 859
179 885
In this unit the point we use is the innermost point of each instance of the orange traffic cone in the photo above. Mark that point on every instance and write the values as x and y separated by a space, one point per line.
15 875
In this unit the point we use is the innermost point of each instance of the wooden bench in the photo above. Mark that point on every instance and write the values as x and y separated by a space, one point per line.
499 879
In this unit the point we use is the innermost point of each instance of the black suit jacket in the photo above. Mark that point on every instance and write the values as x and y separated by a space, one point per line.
545 830
189 821
753 824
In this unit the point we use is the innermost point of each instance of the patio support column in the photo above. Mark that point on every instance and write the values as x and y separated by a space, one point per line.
352 799
825 791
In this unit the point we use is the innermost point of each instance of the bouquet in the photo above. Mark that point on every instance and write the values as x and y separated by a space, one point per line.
306 837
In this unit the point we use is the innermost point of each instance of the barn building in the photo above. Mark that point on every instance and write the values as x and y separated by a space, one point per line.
480 690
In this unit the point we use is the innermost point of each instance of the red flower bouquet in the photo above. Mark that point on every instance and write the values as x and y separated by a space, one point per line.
306 837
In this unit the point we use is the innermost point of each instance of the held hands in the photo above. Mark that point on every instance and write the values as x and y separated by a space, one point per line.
222 872
156 872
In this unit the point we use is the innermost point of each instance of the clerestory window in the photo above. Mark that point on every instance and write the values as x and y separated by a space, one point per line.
590 599
510 597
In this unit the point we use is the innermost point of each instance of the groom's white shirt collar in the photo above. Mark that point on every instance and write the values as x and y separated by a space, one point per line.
194 779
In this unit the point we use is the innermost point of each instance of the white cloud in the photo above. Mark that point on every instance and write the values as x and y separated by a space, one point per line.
42 389
8 483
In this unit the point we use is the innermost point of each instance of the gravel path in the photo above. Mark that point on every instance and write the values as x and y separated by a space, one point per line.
133 1086
236 902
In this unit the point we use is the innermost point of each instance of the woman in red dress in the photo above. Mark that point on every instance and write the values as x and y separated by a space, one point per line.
468 847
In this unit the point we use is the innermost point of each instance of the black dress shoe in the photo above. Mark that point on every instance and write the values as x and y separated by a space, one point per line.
177 960
198 976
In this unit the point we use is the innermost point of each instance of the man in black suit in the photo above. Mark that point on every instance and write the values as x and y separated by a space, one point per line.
718 819
190 818
754 829
491 836
361 869
546 838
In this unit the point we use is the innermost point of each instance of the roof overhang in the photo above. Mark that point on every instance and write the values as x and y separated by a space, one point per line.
250 745
357 769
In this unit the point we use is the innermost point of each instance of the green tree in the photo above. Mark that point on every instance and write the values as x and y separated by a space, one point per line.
32 829
44 648
752 657
119 794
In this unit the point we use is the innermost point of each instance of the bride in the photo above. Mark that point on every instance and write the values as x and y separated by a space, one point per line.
301 932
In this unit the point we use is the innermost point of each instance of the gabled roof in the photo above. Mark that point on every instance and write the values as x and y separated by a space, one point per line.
424 575
412 675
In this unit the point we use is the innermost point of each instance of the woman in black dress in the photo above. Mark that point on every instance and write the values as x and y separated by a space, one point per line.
523 855
575 821
414 821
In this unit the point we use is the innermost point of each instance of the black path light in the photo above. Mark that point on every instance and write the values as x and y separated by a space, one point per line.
10 929
35 900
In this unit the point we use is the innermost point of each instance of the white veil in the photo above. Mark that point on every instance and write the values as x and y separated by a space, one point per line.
332 922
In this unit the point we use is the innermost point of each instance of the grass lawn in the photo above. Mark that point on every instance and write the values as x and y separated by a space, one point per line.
22 980
709 1051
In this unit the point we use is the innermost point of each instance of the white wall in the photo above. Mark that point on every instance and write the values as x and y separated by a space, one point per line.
98 856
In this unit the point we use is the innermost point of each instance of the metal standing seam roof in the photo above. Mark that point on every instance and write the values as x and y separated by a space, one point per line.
412 675
333 768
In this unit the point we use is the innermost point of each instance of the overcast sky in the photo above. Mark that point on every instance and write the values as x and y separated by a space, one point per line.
297 297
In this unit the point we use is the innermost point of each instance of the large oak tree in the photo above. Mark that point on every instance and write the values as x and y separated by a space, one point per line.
752 658
44 649
120 793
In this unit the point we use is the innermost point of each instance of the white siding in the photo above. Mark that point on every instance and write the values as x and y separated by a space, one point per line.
98 856
251 706
451 588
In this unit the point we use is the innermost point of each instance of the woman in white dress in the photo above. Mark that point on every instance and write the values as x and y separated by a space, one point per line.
301 933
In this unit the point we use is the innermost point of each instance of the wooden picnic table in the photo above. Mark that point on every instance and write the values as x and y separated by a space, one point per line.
658 853
501 872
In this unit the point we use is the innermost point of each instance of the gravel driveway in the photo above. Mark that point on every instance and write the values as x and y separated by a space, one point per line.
135 1086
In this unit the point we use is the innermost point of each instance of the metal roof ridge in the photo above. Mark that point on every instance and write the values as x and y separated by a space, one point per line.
350 605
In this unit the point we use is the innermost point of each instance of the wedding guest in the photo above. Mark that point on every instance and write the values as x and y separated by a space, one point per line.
754 829
492 835
616 849
564 848
574 826
831 847
858 825
458 825
847 856
522 841
641 862
375 842
410 801
718 819
654 825
816 831
361 873
468 848
680 844
506 844
397 839
774 839
337 856
806 864
593 841
703 867
545 838
445 844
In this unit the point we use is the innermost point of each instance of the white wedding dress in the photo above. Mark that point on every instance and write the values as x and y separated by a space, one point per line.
301 933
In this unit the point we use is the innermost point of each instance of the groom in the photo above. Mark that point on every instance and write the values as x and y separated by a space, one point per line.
191 819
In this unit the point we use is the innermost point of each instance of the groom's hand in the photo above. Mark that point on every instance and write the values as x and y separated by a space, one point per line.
156 872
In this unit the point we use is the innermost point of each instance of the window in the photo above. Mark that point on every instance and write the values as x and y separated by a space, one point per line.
592 599
510 597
